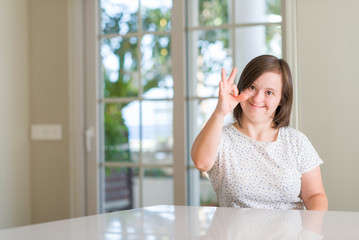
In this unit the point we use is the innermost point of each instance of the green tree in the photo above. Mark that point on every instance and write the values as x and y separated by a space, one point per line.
116 131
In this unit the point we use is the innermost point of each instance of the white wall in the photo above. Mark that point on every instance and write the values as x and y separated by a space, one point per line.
49 104
328 77
34 89
14 120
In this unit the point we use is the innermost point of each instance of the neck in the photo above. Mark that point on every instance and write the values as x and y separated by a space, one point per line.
263 132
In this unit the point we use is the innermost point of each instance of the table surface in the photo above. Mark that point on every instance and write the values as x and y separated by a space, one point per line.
189 222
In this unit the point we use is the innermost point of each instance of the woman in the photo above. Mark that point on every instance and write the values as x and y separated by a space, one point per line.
259 161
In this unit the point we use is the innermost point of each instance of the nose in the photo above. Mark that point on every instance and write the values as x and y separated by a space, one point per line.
258 97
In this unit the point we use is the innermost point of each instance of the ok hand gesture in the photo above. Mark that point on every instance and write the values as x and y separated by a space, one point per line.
228 97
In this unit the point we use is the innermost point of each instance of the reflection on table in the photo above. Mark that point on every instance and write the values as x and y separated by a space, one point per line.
264 224
185 222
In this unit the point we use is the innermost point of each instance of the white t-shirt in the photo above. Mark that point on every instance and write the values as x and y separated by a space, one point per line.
249 173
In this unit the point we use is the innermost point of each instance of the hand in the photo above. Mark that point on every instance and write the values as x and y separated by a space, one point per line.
228 97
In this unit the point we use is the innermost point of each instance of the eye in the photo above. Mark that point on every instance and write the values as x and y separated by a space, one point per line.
270 93
252 87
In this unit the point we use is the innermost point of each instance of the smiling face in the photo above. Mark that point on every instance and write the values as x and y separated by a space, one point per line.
264 97
268 81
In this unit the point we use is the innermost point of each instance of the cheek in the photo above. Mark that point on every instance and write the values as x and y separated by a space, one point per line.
275 103
248 92
243 104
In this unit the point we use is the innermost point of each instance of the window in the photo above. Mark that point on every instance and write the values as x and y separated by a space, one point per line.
136 104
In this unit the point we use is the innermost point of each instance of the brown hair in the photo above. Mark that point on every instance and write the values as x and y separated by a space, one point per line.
254 69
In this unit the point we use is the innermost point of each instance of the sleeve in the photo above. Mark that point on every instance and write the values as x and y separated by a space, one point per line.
308 157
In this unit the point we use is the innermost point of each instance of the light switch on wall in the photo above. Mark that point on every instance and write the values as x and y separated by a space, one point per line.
46 132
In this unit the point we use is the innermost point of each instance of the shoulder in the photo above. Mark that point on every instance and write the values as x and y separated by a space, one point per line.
229 130
229 136
302 149
291 133
294 138
297 140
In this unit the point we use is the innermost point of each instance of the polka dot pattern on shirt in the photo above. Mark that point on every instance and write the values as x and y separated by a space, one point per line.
249 173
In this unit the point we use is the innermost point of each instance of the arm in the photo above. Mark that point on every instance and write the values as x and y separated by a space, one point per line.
205 146
312 192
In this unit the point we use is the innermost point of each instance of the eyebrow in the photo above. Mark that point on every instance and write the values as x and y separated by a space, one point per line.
271 89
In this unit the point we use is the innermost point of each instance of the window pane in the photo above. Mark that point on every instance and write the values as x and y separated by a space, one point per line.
121 189
119 16
274 40
200 189
256 11
212 52
119 64
156 15
157 186
257 40
156 66
157 137
208 12
207 194
122 135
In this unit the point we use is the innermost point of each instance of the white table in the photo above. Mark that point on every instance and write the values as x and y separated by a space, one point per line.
184 222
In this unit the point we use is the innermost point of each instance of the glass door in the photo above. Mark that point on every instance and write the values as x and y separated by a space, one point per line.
136 104
131 104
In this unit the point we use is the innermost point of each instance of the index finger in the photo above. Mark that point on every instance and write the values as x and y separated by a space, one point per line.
232 76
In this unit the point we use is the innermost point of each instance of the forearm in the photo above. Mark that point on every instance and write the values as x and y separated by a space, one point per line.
317 202
204 148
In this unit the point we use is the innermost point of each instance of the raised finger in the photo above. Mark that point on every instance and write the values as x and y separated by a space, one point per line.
232 76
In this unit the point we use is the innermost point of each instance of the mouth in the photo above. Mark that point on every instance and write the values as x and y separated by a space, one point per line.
255 106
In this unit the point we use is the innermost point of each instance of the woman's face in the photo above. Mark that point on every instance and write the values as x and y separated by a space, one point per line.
264 97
